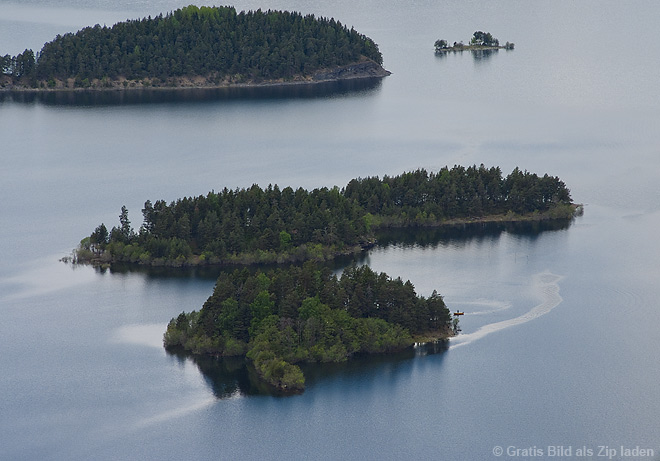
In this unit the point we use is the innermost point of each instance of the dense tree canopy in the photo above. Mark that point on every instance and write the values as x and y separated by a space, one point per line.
289 315
213 42
420 196
19 66
295 314
484 39
258 225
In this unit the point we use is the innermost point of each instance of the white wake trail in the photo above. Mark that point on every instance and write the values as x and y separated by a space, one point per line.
176 412
492 306
545 284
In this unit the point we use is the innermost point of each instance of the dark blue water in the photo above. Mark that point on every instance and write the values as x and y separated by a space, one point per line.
561 327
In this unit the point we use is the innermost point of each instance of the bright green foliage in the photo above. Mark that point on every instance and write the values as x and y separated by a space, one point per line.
266 352
270 225
295 314
260 308
206 41
285 240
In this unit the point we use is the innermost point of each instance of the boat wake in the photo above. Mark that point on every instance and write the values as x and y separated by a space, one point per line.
176 412
545 284
44 276
141 334
491 306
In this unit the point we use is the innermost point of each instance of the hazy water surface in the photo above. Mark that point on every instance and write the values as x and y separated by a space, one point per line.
561 327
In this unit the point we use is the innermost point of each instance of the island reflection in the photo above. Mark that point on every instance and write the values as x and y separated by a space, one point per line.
229 377
456 236
186 95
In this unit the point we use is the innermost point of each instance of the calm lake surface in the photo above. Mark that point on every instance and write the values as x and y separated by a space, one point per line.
562 327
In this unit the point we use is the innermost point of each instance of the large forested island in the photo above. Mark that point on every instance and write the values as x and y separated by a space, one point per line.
198 47
307 314
273 225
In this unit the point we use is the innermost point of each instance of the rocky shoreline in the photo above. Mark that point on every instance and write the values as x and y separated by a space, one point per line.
365 69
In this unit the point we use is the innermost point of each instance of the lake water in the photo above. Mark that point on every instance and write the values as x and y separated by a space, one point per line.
562 327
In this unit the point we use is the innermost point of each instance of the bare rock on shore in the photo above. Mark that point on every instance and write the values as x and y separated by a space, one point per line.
362 69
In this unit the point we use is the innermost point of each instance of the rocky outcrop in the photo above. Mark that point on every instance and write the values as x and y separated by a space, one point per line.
362 69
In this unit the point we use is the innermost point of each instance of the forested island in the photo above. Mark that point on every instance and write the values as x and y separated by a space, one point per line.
273 225
197 47
307 314
293 314
480 41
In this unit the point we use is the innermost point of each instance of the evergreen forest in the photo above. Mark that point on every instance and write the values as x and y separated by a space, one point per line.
214 42
307 314
273 225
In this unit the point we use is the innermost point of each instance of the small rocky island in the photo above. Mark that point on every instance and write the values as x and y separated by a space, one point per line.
480 41
198 47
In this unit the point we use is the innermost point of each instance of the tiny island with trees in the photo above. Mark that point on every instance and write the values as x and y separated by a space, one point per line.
480 41
197 47
297 313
